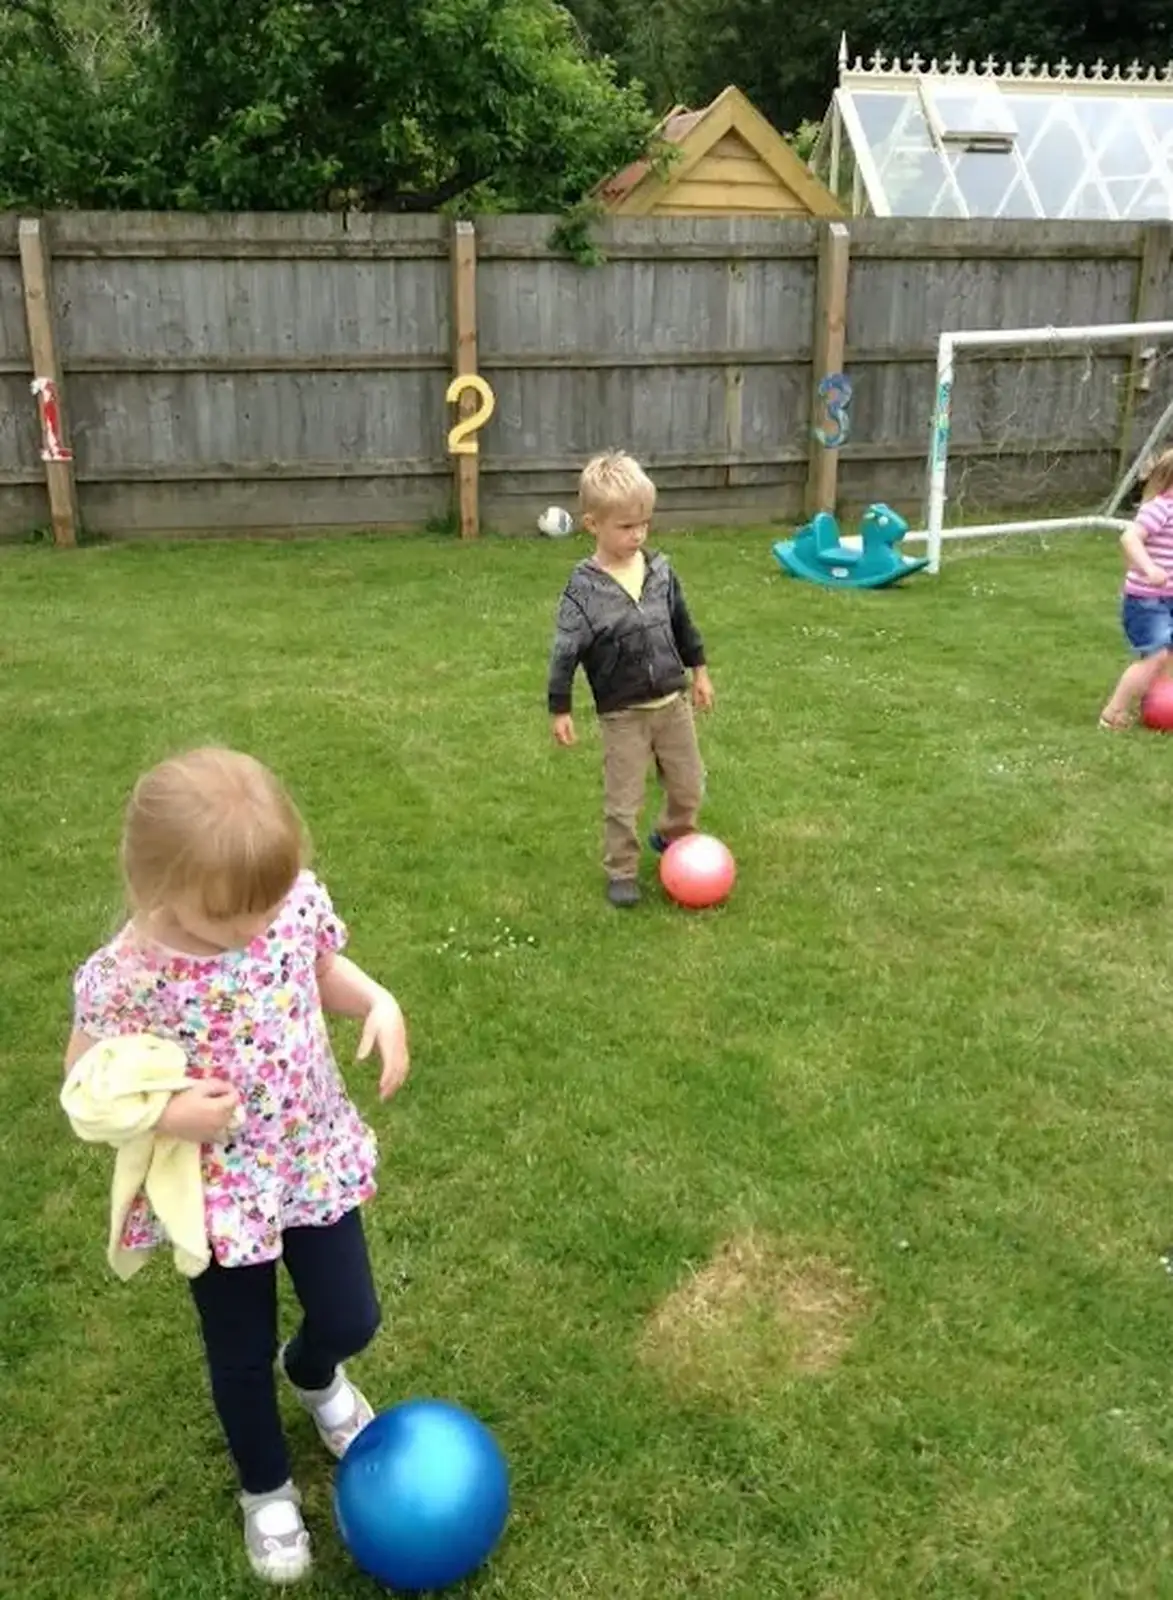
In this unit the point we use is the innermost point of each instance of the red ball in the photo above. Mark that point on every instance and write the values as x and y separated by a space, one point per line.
1157 709
697 871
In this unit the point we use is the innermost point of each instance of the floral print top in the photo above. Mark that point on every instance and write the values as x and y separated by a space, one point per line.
303 1156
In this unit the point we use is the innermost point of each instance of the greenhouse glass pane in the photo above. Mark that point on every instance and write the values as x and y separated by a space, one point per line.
1160 119
1090 205
911 169
1124 193
968 107
879 114
944 203
918 186
1029 111
986 178
1153 203
1055 160
1112 128
1018 203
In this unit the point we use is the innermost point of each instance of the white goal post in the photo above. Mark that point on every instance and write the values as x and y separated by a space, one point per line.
934 532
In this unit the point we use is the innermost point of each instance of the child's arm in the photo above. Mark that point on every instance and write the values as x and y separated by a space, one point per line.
571 636
204 1112
346 990
79 1043
1134 540
690 644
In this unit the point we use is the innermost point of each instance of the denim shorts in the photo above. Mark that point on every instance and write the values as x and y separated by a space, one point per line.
1148 624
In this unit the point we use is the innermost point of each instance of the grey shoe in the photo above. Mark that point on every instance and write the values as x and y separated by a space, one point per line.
623 892
341 1435
274 1535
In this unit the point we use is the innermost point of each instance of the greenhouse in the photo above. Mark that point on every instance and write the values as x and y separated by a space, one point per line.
923 138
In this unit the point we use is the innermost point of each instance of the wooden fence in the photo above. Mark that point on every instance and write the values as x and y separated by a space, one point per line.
289 371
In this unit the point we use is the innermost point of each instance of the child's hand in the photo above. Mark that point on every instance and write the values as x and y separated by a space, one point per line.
562 728
1157 577
703 695
203 1114
386 1031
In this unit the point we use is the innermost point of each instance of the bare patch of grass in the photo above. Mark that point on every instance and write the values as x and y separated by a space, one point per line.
757 1314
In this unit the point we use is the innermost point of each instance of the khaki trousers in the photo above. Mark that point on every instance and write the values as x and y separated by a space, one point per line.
632 740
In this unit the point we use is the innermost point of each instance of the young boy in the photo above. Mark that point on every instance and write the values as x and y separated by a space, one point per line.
623 618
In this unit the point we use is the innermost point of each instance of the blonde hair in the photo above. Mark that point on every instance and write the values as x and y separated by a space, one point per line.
1158 475
215 826
615 482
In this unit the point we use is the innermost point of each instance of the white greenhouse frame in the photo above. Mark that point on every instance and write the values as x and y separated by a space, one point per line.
1116 124
935 533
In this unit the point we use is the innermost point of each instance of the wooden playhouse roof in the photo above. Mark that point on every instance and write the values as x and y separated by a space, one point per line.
729 161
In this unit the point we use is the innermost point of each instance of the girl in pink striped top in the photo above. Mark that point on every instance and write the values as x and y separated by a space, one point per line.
1147 601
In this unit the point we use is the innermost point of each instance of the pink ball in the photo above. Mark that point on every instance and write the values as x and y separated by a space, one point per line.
697 871
1157 710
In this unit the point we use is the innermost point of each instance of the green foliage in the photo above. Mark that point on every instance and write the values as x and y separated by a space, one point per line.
572 234
782 53
652 41
67 109
1082 30
804 139
444 104
286 104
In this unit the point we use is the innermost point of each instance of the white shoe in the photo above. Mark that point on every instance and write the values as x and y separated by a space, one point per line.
340 1412
275 1537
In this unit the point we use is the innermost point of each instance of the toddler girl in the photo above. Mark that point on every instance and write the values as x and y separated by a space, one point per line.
233 951
1147 603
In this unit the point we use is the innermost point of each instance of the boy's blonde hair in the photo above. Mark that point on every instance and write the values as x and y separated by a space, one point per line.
1158 475
214 826
615 482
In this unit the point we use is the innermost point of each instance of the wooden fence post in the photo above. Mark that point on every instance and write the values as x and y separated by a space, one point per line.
829 344
735 306
464 355
1150 304
55 452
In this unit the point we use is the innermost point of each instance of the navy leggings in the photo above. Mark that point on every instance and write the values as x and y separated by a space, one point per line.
237 1307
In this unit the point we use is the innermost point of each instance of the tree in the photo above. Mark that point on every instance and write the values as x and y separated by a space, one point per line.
283 104
652 42
64 137
783 53
416 104
1115 31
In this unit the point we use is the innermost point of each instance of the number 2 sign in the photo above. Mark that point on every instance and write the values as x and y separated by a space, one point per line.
462 439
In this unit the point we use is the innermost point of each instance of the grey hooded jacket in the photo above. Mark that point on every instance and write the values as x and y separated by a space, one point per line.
632 651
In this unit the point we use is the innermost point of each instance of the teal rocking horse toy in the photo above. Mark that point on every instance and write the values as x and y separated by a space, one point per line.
817 553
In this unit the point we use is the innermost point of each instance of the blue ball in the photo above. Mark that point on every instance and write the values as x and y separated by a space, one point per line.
422 1495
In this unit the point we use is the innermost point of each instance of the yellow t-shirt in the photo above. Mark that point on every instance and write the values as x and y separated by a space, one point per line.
631 577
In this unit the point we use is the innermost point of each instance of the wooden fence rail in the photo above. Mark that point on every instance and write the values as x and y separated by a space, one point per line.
225 373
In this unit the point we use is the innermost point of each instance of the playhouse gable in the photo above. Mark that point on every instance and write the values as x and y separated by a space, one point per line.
727 160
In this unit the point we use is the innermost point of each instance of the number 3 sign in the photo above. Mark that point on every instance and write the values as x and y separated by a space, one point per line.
835 392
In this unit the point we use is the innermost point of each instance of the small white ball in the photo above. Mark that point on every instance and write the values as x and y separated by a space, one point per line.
555 523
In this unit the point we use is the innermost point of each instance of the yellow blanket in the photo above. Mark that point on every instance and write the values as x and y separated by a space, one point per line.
115 1094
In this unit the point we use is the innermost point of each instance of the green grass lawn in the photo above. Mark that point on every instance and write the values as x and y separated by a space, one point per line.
810 1247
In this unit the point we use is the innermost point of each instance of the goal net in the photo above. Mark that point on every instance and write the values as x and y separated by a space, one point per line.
1041 430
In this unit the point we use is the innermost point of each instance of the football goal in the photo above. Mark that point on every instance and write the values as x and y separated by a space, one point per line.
1043 430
